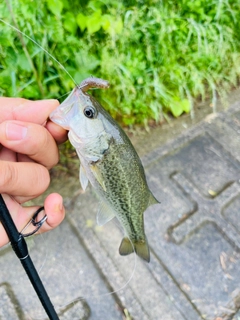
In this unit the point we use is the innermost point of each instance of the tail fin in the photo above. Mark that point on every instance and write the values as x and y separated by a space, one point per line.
140 247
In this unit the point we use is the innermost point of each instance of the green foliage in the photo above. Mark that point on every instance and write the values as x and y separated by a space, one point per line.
158 55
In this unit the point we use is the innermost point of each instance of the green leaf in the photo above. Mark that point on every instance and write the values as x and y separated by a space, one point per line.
176 109
5 40
111 24
186 106
10 59
106 21
70 23
82 21
118 26
23 62
5 79
178 106
95 5
55 6
94 22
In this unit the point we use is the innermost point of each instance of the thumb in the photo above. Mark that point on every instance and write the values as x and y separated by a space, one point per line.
23 180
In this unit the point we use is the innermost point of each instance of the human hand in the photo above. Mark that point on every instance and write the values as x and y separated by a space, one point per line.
28 149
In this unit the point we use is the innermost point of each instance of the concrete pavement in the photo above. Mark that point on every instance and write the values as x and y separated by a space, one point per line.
194 236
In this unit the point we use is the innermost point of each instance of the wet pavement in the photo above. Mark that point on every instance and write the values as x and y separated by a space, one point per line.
194 236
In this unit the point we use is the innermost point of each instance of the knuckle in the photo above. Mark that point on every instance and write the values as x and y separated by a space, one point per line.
40 141
55 160
28 179
50 150
42 180
18 102
44 149
8 175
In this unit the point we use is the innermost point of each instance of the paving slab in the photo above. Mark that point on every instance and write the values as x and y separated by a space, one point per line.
194 237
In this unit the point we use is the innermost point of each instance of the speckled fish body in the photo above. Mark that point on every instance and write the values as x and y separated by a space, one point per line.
110 163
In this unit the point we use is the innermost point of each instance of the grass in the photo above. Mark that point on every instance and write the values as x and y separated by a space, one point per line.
160 56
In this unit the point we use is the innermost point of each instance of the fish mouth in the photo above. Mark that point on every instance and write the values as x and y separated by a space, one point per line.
57 117
62 114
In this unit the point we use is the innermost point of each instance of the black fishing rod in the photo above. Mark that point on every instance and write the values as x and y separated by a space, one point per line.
20 248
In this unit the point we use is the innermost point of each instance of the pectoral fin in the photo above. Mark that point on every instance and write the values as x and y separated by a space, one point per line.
97 174
105 214
83 178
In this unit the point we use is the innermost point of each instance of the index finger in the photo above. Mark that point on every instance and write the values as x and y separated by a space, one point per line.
26 110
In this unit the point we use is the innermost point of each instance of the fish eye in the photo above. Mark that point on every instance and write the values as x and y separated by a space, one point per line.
89 112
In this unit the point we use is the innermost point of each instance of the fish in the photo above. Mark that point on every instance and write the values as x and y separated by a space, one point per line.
109 162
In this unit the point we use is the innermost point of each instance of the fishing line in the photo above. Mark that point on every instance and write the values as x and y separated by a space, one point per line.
85 298
64 95
37 44
74 301
20 248
131 276
80 294
43 244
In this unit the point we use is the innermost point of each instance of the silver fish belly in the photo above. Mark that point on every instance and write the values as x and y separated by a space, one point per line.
110 163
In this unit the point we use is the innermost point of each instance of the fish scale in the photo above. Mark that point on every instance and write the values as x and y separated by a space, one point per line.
127 197
109 162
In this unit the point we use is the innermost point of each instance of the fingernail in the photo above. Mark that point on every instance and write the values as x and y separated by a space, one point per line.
15 131
58 207
61 206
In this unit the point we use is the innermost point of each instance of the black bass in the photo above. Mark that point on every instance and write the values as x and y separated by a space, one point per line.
109 162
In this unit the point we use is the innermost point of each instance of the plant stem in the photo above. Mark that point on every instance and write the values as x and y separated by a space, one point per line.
25 49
